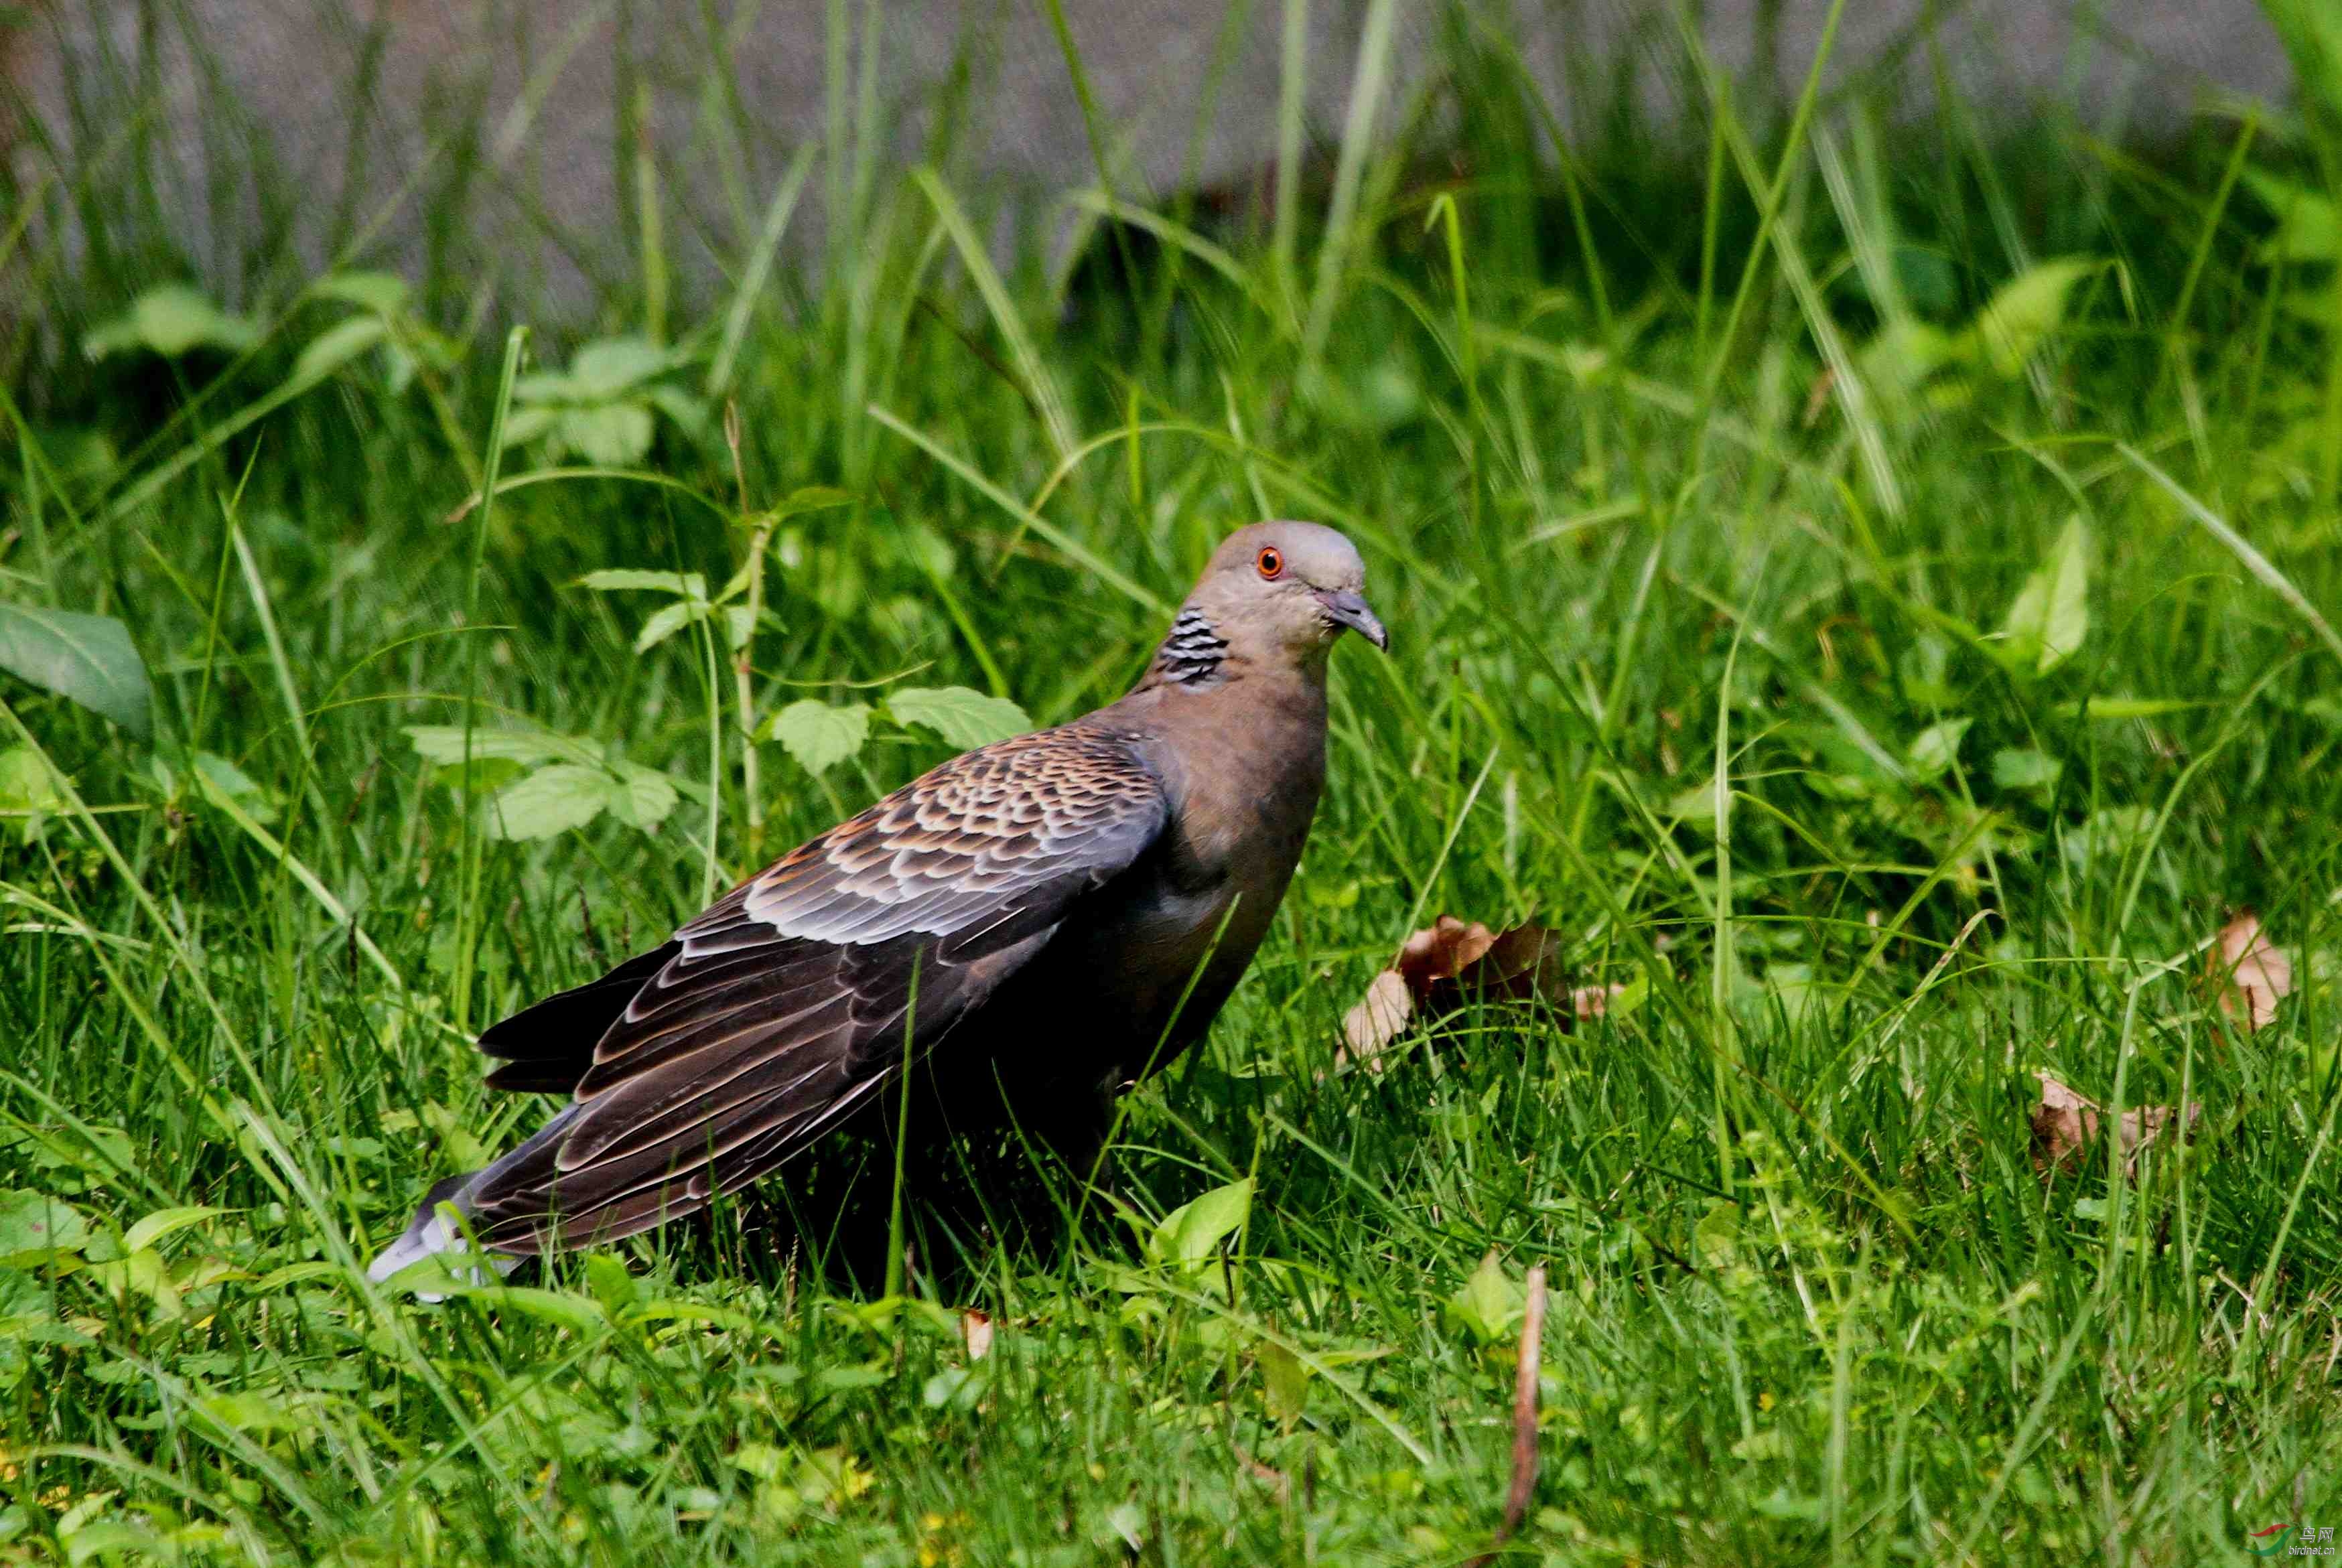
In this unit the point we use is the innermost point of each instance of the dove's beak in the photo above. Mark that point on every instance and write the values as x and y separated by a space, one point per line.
1350 610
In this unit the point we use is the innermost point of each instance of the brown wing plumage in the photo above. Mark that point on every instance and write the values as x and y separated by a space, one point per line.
783 1008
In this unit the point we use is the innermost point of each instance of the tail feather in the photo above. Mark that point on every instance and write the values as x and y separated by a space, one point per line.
435 1230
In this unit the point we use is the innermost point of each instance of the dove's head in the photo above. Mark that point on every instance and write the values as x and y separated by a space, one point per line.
1277 593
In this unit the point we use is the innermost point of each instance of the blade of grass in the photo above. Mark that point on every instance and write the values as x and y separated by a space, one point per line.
1038 385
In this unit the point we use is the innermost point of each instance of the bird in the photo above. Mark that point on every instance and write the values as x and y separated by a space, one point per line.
1039 925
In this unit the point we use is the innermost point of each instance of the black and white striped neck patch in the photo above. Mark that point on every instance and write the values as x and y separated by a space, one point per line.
1191 654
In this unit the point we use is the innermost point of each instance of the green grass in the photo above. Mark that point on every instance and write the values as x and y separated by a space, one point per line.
1811 1303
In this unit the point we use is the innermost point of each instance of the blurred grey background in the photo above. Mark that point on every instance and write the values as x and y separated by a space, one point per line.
502 134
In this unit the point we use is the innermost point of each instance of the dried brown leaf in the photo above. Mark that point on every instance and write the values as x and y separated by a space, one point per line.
2250 975
1442 968
2065 1124
1594 1001
1525 1386
1377 1021
976 1333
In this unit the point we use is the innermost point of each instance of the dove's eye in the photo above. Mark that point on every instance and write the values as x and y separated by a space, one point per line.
1270 563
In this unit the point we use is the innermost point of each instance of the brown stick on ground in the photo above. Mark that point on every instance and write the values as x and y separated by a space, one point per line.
1525 1419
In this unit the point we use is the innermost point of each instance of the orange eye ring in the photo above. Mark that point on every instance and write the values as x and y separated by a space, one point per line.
1270 563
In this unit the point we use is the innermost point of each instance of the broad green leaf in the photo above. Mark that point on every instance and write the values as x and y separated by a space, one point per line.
162 1223
216 778
668 620
87 658
739 623
687 412
1489 1305
819 737
1903 354
1715 1239
248 1412
620 579
524 425
2117 709
2014 769
443 744
613 1286
293 1275
576 1314
963 717
170 320
690 1312
609 368
2024 311
551 800
614 436
2308 224
1285 1382
36 1222
2051 614
644 796
811 498
26 786
1936 748
338 345
545 386
383 293
1192 1233
761 1459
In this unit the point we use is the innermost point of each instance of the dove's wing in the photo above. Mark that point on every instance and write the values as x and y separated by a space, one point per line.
784 1006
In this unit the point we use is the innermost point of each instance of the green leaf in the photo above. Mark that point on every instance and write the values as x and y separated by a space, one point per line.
2024 311
811 498
338 345
524 425
666 621
614 436
622 579
2116 710
218 779
1904 354
644 796
2051 614
576 1314
1936 748
819 737
1285 1382
162 1223
686 410
34 1223
1716 1240
1490 1305
604 369
552 800
248 1412
383 293
612 1285
26 786
690 1312
170 320
443 744
2308 224
87 658
546 386
2013 769
963 717
1191 1234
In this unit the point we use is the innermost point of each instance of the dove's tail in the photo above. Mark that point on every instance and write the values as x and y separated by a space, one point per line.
436 1229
